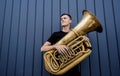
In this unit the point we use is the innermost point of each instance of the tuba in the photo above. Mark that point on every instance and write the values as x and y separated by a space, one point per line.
80 49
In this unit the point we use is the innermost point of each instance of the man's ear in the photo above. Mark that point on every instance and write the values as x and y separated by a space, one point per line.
70 21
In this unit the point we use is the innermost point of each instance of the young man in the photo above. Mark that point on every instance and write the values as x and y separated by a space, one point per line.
66 20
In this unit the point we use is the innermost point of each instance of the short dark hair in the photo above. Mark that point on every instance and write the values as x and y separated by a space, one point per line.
67 15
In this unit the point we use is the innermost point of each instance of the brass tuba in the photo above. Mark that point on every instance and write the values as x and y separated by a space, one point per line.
58 64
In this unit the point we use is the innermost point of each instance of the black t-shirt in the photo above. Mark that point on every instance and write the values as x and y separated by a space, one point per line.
55 37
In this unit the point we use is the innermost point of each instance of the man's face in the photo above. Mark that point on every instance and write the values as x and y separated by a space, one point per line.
65 20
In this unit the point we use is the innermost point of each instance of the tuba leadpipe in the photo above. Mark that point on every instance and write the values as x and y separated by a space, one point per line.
58 64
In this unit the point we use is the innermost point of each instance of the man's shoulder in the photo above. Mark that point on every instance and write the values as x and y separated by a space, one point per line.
57 32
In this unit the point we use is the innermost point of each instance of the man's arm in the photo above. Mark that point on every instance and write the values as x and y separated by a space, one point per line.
47 46
60 48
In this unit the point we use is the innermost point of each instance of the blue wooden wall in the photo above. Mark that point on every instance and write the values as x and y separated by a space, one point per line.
26 24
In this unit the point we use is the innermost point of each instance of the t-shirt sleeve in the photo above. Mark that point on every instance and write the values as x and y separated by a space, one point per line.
52 38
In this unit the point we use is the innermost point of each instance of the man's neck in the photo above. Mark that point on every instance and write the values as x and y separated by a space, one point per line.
66 29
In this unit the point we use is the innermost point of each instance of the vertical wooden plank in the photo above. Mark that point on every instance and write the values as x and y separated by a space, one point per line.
2 17
116 12
56 16
30 38
38 57
64 6
20 63
102 41
5 40
47 26
47 19
13 39
111 37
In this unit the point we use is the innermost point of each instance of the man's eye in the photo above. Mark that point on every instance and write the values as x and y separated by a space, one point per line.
63 18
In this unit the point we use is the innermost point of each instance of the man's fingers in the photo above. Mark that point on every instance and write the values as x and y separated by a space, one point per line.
63 50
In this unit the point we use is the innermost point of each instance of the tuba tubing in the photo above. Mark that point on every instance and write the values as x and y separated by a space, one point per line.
58 64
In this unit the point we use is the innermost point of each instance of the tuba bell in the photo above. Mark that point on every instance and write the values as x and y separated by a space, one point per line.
80 49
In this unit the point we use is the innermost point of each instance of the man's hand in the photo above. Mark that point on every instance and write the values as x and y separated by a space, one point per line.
62 49
85 38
